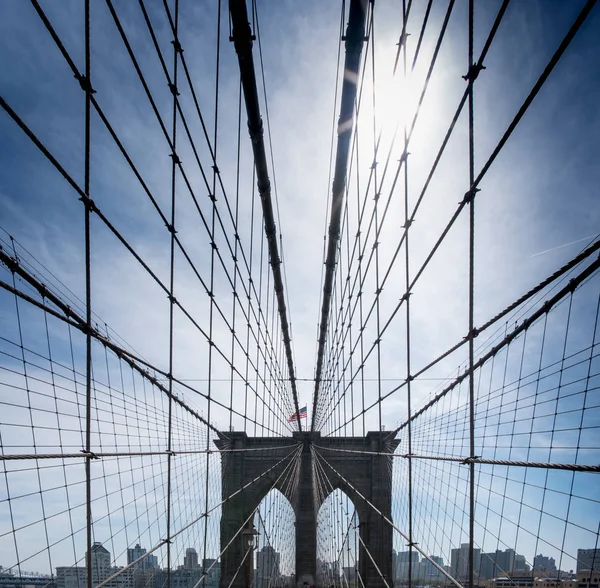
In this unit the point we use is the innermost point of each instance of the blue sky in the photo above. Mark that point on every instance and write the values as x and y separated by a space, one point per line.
537 208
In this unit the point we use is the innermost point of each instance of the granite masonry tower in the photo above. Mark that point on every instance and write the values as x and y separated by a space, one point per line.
356 465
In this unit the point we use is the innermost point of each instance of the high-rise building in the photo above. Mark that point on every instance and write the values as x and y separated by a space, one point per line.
521 563
544 564
212 569
100 563
430 570
267 566
403 559
460 561
588 560
150 562
134 553
497 563
190 561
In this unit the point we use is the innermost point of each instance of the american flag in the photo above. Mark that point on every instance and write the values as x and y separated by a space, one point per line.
298 415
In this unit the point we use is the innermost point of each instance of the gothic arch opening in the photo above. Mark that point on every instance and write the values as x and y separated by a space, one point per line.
275 544
338 543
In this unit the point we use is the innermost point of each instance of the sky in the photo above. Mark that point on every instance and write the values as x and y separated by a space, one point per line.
538 207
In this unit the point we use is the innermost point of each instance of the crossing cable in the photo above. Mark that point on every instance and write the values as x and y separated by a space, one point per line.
543 310
237 245
363 544
203 515
256 22
210 147
132 360
94 208
331 156
514 305
79 77
354 40
387 520
336 341
565 269
242 38
427 182
34 266
361 251
530 294
471 193
85 327
212 191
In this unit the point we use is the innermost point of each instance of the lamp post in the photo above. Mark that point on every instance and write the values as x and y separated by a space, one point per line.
248 537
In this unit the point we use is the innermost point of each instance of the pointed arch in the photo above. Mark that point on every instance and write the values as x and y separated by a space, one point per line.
275 553
337 553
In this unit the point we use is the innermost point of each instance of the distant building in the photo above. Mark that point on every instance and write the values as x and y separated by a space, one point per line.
431 572
544 564
76 577
148 578
500 563
190 561
588 560
148 563
71 577
212 569
403 560
526 581
521 563
405 556
459 561
100 563
267 566
539 579
185 577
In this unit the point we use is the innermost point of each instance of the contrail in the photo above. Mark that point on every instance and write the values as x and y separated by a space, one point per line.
565 245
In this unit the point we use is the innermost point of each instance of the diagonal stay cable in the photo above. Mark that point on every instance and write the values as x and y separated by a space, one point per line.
144 186
364 545
387 520
474 188
543 310
203 515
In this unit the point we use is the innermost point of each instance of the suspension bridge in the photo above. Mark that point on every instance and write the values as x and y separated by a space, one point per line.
299 294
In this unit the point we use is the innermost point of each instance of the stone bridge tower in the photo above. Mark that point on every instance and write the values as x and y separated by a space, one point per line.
363 466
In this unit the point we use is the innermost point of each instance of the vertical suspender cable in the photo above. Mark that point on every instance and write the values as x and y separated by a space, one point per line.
212 279
471 74
402 47
86 83
174 163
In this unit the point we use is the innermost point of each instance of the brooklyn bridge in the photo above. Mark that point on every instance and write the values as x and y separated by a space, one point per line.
299 294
